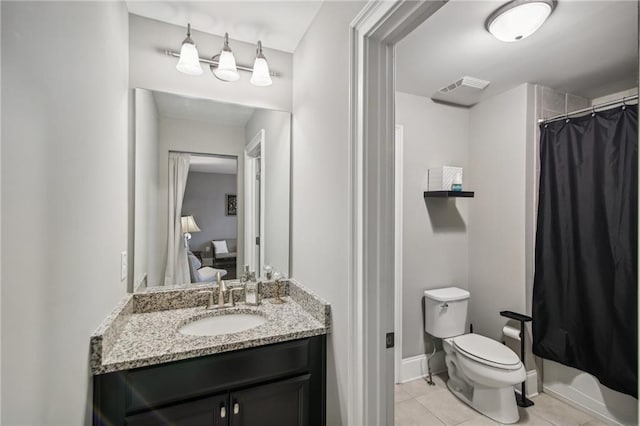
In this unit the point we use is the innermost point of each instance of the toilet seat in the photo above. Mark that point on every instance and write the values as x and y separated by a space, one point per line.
486 351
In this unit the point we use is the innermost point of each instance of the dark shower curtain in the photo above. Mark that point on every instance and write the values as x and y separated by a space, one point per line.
585 287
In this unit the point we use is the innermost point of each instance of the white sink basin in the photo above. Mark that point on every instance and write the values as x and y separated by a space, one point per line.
222 324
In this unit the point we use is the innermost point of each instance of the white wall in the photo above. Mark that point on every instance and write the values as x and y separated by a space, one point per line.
146 187
277 127
615 96
151 69
204 198
0 218
64 199
499 132
435 243
320 174
199 138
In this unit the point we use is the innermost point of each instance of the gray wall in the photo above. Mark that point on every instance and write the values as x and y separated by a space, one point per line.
65 106
497 227
277 127
320 175
204 198
435 243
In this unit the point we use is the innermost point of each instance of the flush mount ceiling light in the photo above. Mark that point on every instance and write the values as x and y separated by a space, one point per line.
189 62
223 65
519 19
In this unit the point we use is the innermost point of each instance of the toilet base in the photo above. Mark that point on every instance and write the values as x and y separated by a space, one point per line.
466 378
496 403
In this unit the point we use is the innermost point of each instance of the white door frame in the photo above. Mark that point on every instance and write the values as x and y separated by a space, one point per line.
397 258
374 33
254 152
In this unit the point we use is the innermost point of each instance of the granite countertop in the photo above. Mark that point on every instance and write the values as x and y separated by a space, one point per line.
142 330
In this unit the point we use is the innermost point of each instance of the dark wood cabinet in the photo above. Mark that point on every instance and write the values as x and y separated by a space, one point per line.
281 384
206 411
284 403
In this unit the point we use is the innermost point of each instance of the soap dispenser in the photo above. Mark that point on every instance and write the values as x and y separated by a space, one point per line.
456 185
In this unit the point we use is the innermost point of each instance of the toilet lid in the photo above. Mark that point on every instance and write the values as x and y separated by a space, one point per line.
487 351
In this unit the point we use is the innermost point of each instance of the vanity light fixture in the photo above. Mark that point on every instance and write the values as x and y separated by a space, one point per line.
189 62
260 76
226 69
223 65
518 19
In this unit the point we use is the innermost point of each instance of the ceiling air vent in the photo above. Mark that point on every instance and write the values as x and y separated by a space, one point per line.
465 92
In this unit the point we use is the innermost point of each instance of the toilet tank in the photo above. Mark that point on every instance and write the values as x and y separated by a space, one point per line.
445 311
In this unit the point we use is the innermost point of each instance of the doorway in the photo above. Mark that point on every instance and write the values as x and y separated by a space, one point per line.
375 34
255 184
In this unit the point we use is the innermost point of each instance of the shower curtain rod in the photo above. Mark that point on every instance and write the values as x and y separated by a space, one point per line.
590 109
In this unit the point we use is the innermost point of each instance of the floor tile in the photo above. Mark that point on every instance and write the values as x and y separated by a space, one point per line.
412 413
595 422
527 417
557 412
447 407
478 420
401 395
417 403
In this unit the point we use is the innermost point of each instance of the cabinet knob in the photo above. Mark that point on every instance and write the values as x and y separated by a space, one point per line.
236 408
223 412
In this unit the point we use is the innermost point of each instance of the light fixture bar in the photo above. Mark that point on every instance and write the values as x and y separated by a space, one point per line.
213 62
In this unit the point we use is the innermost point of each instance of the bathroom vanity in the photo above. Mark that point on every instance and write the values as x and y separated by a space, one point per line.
147 372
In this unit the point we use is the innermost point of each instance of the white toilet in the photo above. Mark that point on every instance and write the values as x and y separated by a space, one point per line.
482 372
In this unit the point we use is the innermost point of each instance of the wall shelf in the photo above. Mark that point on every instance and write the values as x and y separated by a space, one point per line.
448 194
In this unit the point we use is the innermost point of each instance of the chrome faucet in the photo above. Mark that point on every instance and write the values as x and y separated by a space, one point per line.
221 290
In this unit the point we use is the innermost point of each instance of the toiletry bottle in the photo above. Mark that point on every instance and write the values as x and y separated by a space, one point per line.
456 185
252 292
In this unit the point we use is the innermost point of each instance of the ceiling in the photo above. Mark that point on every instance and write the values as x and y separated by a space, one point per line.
203 110
279 24
587 48
213 164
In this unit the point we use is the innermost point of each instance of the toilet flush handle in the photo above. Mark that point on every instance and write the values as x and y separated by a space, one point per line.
444 305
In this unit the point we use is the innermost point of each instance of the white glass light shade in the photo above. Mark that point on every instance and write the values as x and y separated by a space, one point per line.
226 69
189 224
260 76
520 21
189 62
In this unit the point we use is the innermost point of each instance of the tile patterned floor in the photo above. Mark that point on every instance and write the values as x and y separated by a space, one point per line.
418 404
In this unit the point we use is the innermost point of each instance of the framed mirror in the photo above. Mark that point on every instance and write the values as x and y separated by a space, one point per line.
211 190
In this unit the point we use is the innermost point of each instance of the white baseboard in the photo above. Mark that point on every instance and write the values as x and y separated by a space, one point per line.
415 367
582 402
532 384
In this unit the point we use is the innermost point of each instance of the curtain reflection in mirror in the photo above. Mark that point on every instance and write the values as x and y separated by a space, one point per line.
177 269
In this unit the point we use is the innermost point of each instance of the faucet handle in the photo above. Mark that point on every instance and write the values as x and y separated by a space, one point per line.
210 303
233 290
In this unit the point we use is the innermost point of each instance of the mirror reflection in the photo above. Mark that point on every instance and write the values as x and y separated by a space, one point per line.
212 184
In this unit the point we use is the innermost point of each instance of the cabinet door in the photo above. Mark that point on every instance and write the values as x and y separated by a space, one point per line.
284 403
213 411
